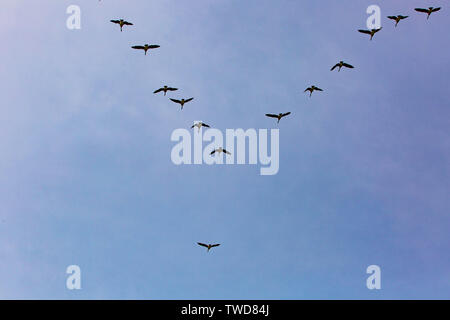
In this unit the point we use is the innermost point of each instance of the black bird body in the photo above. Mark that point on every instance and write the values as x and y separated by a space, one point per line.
122 23
397 18
341 64
428 11
146 47
371 32
277 116
165 89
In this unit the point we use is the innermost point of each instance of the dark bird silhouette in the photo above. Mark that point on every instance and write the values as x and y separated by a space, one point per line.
341 64
209 246
371 32
312 89
146 47
219 150
122 23
397 18
428 11
165 89
182 101
278 116
199 125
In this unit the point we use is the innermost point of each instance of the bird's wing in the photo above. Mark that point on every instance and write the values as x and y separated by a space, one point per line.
215 245
318 89
392 17
225 151
212 152
127 23
175 100
138 47
115 21
285 114
187 100
271 115
172 89
364 31
347 65
159 90
436 9
202 244
153 46
376 30
421 10
193 126
205 125
337 65
307 89
403 17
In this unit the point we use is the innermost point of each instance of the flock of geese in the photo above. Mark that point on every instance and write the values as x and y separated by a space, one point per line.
311 89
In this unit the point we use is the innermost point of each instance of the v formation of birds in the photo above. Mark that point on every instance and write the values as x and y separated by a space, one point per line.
341 64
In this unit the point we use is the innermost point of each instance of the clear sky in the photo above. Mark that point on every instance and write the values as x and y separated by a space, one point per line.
86 176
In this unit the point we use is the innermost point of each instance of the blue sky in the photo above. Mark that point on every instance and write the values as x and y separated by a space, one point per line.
86 176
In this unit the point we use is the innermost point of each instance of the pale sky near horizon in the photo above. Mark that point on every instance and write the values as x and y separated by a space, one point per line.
85 171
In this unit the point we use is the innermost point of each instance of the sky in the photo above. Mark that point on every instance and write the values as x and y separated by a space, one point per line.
86 176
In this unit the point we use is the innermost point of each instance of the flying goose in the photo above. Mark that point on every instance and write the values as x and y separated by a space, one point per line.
209 246
397 18
278 116
371 32
199 125
182 101
311 90
340 65
165 89
219 151
428 11
122 23
145 47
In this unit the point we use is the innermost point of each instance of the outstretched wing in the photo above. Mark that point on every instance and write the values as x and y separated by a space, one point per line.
212 152
187 100
138 47
159 90
175 100
285 114
348 65
153 46
127 23
271 115
392 17
172 89
205 125
403 17
337 65
365 31
307 89
318 89
193 126
421 10
115 21
225 151
202 244
376 30
436 9
215 245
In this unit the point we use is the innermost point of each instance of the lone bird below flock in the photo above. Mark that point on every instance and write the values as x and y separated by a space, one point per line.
145 47
428 11
182 101
278 116
371 32
165 89
397 18
340 65
219 151
199 125
312 89
122 23
209 246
